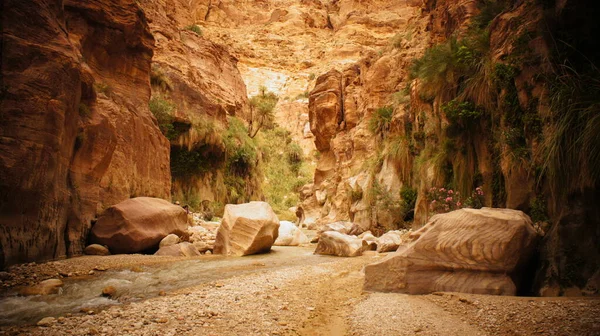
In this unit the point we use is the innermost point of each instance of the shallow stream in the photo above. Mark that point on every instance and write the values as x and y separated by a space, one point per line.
78 295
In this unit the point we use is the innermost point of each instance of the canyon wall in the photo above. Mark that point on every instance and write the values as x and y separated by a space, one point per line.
76 133
489 119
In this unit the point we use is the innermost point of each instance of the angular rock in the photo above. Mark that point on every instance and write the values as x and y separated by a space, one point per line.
467 250
247 229
169 240
341 245
290 235
96 249
46 287
138 224
390 241
184 249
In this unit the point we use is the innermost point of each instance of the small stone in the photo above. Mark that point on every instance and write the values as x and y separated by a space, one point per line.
208 252
162 320
46 322
162 293
98 268
219 285
137 269
96 249
310 308
109 291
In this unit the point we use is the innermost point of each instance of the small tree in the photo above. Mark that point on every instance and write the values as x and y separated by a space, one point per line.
261 111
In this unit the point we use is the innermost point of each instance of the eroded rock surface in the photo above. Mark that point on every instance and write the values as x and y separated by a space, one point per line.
138 224
467 250
247 229
76 134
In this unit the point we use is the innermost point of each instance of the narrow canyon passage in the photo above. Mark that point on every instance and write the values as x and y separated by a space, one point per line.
299 167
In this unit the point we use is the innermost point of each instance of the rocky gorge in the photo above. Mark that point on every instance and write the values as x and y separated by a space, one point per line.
344 148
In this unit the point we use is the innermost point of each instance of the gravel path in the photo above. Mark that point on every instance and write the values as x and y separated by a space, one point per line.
325 299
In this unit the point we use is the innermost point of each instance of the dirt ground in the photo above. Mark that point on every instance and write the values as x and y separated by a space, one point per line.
322 299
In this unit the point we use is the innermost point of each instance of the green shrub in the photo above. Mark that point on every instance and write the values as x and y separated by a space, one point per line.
159 79
195 28
84 110
162 109
488 10
409 197
103 88
380 122
463 113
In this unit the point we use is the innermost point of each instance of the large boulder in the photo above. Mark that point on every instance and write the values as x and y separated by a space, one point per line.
247 229
138 224
341 245
470 251
184 249
290 235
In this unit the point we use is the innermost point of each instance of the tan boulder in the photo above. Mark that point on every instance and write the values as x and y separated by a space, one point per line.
389 241
46 287
138 224
290 235
184 249
96 249
247 229
169 240
467 250
341 245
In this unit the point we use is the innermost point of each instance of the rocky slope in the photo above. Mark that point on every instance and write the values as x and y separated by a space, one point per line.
76 132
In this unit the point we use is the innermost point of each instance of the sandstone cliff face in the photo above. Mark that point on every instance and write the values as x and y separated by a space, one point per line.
76 132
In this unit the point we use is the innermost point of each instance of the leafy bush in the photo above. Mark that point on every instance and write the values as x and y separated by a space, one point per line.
443 200
84 110
195 28
380 122
284 169
463 113
103 88
240 149
409 197
159 79
162 109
